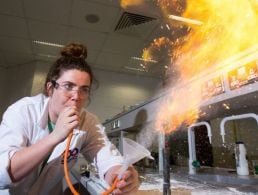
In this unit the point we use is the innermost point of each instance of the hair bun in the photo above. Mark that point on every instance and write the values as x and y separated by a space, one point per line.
74 50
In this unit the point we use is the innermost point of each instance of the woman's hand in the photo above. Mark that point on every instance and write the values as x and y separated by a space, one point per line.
27 158
67 120
129 183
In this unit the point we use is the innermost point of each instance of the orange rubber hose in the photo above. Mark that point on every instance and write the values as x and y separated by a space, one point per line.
111 189
67 177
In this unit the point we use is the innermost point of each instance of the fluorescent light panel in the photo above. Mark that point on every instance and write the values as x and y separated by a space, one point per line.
145 60
46 55
135 69
47 43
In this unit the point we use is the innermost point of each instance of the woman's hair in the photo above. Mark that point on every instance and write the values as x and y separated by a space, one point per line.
72 57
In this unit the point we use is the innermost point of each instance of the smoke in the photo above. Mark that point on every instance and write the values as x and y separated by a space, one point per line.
148 136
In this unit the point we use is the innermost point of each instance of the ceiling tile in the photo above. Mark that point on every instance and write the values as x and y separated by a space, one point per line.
151 69
92 39
48 53
109 61
107 15
134 63
2 61
45 50
135 66
92 56
49 59
13 26
15 45
13 7
142 31
57 11
15 59
115 3
48 32
126 45
63 21
133 71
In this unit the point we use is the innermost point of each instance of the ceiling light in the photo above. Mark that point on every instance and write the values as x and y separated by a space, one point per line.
186 20
47 43
46 55
135 69
145 60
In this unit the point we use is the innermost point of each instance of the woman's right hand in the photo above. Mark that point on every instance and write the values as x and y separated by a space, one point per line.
27 158
67 120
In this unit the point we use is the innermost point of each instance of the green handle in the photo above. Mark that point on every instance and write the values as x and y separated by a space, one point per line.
196 164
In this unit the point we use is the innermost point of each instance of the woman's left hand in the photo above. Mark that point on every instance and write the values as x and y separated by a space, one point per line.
129 183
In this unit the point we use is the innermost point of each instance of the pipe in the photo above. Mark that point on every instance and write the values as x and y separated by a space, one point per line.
234 117
205 124
191 143
67 177
112 188
192 154
166 171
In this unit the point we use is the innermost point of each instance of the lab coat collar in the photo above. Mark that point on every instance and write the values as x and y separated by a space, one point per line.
44 117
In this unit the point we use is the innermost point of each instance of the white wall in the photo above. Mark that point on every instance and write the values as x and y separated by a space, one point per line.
17 83
117 91
41 69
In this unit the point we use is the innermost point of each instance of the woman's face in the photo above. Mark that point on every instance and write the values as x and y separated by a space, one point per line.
71 89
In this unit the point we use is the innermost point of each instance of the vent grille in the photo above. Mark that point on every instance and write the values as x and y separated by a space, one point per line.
130 19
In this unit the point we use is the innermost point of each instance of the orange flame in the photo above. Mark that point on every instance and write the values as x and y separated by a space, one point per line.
227 29
155 46
125 3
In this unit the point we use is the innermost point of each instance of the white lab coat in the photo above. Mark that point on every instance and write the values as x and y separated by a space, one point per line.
25 122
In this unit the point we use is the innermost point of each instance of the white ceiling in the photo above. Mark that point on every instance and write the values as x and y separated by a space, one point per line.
63 21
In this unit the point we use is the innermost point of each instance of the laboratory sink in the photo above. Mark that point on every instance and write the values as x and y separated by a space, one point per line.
228 180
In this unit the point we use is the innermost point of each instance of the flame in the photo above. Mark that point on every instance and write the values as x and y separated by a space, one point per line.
126 3
155 46
228 28
179 107
226 34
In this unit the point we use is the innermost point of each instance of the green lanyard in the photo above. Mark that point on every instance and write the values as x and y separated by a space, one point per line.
50 126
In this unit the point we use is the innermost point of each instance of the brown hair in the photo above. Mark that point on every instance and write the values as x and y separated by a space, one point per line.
73 56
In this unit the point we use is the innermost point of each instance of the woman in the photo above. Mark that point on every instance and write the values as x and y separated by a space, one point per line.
33 133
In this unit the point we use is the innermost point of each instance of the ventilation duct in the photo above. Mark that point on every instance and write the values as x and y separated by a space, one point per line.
130 19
